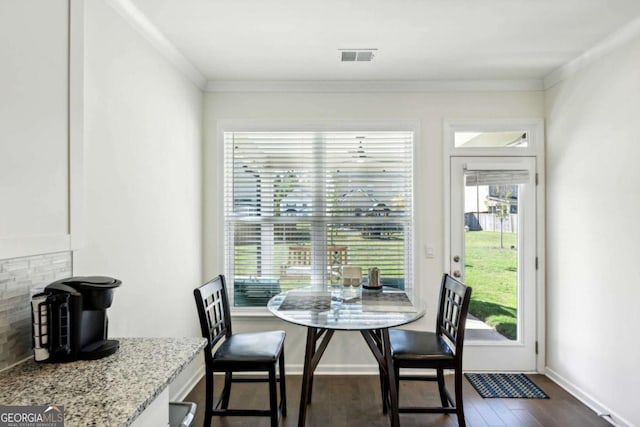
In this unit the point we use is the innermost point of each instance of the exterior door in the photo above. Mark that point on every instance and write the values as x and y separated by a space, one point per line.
493 250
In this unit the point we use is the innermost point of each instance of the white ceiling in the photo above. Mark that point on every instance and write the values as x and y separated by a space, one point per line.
417 40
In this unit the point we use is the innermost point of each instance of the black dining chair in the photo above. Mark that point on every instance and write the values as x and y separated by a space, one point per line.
243 352
437 350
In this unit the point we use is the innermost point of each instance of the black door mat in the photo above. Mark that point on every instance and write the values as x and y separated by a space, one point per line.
505 386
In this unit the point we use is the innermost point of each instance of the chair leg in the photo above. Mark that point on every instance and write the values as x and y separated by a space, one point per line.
283 387
273 396
208 405
396 369
226 391
459 407
441 388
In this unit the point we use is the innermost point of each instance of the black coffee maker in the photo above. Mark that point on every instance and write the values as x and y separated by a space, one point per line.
70 319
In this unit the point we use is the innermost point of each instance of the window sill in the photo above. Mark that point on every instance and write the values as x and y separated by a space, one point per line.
248 312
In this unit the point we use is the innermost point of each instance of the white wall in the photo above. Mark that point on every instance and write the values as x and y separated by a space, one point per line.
142 179
33 127
427 109
593 274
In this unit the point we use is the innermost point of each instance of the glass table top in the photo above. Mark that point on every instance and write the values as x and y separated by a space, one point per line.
346 308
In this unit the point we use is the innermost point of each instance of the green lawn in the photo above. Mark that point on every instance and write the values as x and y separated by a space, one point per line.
492 273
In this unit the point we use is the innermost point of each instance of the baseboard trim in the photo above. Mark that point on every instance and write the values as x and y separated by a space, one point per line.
349 370
321 370
336 369
601 410
189 384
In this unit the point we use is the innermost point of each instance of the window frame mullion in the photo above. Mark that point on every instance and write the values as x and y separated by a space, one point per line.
318 224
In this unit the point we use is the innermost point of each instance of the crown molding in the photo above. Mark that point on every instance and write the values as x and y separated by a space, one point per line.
140 23
374 86
604 47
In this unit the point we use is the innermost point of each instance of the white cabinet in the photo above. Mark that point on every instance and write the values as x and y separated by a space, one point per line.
156 414
34 128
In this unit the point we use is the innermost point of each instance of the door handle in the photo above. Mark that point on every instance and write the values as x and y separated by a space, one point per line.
456 274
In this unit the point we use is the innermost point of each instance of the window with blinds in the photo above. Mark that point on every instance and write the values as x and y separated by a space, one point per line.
299 206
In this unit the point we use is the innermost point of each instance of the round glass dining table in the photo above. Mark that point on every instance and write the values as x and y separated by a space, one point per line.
370 312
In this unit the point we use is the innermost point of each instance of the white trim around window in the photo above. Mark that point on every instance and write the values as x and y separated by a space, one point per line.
295 190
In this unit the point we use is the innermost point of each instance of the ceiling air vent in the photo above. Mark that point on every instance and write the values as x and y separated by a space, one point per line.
356 55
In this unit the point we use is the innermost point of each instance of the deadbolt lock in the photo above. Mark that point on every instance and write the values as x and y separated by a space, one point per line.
456 258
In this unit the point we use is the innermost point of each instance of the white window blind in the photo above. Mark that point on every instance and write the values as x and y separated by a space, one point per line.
496 177
301 205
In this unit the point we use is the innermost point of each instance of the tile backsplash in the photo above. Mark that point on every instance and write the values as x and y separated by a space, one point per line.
19 277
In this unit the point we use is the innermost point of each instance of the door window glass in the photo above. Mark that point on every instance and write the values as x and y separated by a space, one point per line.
488 139
491 244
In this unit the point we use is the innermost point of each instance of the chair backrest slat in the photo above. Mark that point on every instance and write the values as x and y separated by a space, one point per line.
213 313
452 313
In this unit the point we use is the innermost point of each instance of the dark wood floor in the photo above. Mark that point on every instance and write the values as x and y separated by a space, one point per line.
354 401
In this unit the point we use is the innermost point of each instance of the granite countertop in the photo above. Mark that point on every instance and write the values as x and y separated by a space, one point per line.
111 391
